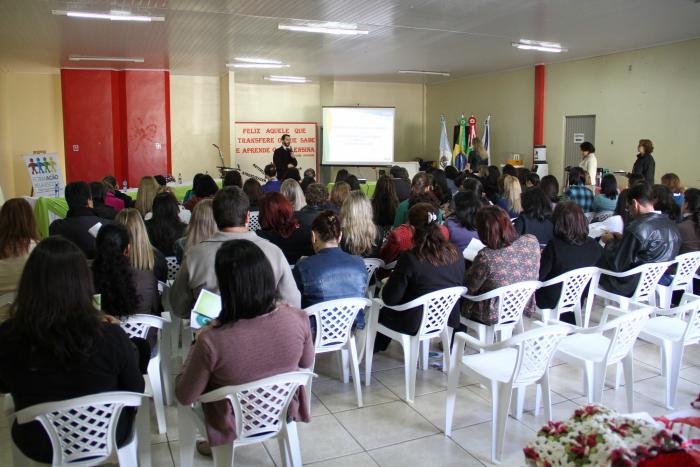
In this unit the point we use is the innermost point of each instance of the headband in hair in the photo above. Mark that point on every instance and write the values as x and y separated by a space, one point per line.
432 217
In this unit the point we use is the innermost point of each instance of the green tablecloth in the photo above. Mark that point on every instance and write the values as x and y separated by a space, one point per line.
57 206
368 188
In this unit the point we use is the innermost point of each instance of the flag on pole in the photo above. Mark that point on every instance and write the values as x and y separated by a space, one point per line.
445 153
486 141
459 159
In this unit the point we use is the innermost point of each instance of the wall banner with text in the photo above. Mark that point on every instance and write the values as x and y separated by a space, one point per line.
45 172
257 141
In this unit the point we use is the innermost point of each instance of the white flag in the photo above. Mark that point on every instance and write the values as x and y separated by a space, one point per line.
445 153
486 141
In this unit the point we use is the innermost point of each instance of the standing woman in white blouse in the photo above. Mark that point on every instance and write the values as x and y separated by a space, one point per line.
589 163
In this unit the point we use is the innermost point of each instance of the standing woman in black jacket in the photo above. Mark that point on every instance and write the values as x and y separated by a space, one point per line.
645 164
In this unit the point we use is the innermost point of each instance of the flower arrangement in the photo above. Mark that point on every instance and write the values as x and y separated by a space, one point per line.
596 435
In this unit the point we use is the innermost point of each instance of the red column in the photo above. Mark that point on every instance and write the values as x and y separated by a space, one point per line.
538 133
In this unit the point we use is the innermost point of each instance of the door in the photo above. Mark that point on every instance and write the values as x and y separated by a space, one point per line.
579 128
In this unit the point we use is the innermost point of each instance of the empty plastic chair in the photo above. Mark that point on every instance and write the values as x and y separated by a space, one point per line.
573 284
688 265
253 221
512 364
260 410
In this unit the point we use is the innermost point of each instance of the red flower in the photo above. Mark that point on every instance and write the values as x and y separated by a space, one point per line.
586 411
530 453
554 429
620 458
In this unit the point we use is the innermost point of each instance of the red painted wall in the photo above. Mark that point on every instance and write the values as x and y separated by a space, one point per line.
121 122
538 133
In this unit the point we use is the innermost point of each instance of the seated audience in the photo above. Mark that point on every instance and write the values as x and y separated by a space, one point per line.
143 255
236 347
114 197
491 183
674 184
354 183
474 185
162 182
293 174
511 201
550 186
279 226
431 264
272 183
309 178
316 202
165 227
663 200
98 193
533 180
57 346
196 273
451 174
650 237
439 186
205 187
577 190
79 220
18 237
331 273
402 183
148 189
252 188
420 184
384 205
635 178
690 225
201 227
507 259
523 177
571 248
341 175
607 199
360 234
535 219
401 238
462 224
190 193
232 178
339 192
292 191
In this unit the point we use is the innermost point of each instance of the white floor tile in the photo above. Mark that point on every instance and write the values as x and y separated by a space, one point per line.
476 440
354 460
435 451
253 455
337 396
427 381
470 408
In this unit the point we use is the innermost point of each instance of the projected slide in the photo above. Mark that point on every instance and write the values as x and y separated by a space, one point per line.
358 136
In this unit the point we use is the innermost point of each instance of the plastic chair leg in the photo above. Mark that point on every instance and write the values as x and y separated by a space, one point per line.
546 391
355 366
589 381
490 335
188 433
452 380
293 443
598 382
372 324
157 386
538 399
618 376
410 357
344 368
143 433
223 455
628 365
424 354
283 446
446 349
500 404
577 316
127 454
519 402
673 354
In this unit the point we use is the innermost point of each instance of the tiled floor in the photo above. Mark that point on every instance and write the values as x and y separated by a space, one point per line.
389 432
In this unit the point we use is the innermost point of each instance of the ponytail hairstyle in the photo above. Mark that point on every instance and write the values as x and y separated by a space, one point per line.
430 245
692 199
327 226
112 272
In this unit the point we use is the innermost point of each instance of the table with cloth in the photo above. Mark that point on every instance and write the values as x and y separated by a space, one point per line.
367 188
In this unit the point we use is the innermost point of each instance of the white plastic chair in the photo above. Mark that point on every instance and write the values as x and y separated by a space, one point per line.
254 221
334 320
173 267
260 410
573 284
83 430
671 334
372 264
688 264
594 349
512 300
436 308
158 377
649 275
515 363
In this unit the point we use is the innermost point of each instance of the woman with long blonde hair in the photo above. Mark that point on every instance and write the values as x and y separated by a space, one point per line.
142 254
148 189
511 196
357 226
292 191
201 227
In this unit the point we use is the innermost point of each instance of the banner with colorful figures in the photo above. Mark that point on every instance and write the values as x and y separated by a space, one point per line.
44 170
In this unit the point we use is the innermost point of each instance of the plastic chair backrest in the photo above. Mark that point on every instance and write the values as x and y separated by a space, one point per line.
536 349
260 407
254 221
573 284
512 300
690 306
688 264
139 325
83 428
436 309
625 330
173 267
334 320
649 277
372 264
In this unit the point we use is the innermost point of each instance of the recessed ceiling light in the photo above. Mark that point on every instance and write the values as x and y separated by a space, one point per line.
346 29
288 79
257 65
525 44
423 72
87 58
257 60
113 15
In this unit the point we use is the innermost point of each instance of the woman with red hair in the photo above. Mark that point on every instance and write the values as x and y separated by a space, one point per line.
279 226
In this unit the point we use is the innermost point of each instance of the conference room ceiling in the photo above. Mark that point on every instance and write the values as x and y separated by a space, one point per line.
462 37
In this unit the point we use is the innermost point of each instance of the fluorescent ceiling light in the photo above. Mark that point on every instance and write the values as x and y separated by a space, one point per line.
525 44
422 72
86 58
257 60
345 29
257 65
113 15
287 79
